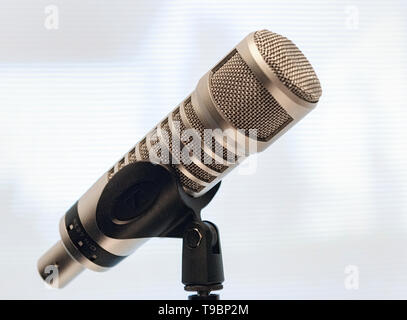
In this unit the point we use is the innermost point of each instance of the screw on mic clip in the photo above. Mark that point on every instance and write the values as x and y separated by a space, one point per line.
193 238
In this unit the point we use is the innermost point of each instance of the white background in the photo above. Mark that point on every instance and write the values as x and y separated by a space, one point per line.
330 193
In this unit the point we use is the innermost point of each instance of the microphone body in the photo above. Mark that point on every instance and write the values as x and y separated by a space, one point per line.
247 101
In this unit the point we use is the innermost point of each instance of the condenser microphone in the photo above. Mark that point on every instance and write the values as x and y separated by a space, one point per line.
250 98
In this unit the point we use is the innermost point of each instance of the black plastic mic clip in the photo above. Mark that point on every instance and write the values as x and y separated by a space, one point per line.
145 200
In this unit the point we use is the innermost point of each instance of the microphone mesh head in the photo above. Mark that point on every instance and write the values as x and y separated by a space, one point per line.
289 64
246 103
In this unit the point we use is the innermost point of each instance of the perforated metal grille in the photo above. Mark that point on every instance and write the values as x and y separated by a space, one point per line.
176 116
198 172
188 183
121 163
197 125
143 150
110 174
206 159
167 136
193 118
245 101
161 148
191 167
211 163
154 137
156 143
289 64
132 155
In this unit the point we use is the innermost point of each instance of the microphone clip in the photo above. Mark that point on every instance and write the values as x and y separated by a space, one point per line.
145 200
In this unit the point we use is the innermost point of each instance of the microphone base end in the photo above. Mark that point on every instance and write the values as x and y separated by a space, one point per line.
57 267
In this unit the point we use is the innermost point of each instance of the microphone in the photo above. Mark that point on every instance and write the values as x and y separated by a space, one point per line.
242 105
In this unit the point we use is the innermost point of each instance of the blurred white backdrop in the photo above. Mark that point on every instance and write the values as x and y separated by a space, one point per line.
330 193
